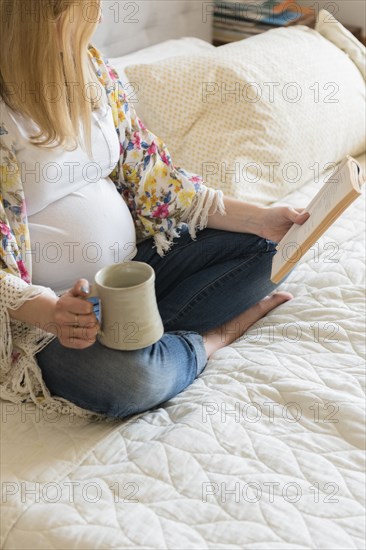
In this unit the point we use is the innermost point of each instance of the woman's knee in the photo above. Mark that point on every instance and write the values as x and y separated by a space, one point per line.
253 246
266 246
154 374
111 382
140 385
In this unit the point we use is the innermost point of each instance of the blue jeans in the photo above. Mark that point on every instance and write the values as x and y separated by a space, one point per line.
199 285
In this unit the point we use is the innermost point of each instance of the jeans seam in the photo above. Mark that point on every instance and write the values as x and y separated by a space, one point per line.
181 247
213 284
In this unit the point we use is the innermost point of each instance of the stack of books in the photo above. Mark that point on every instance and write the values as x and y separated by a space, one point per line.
235 19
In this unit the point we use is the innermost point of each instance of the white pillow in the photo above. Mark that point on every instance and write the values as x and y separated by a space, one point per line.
299 105
169 48
332 30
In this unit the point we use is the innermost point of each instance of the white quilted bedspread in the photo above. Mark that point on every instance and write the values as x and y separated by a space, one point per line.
263 451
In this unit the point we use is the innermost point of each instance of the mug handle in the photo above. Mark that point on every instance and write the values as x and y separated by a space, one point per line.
94 294
93 291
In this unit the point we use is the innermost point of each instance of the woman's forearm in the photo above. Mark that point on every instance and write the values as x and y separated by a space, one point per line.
38 311
268 222
241 217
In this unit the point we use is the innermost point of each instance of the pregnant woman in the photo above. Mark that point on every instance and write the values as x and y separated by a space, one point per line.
85 184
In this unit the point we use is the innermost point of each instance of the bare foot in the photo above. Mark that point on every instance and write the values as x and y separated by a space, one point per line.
232 330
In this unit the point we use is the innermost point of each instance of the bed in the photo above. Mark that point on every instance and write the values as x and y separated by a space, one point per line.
263 451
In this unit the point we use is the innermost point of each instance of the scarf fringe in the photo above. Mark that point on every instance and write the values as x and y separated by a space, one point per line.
205 203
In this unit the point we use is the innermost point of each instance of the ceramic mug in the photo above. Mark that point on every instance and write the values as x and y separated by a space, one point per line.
129 314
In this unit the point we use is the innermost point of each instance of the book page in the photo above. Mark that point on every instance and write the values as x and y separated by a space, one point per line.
331 194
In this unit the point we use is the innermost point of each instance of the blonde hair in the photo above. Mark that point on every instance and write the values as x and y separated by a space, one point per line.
48 79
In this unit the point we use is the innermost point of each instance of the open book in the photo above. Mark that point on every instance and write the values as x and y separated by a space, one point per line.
340 189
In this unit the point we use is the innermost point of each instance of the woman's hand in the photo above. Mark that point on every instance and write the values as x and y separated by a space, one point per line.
76 326
277 220
59 315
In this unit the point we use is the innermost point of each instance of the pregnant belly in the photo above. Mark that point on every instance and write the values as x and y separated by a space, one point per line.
79 234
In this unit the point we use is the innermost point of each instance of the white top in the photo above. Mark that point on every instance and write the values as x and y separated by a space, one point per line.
78 221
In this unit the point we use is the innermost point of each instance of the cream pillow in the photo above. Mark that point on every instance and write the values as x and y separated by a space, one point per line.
260 117
332 30
169 48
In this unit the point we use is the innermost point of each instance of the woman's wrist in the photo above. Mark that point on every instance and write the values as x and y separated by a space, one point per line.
241 217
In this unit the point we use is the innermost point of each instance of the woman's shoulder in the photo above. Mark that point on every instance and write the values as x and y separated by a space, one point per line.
97 54
7 132
4 117
106 72
97 58
5 124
